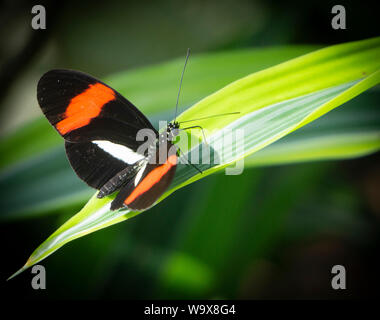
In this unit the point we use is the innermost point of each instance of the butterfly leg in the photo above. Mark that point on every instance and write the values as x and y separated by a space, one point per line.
189 163
199 127
204 136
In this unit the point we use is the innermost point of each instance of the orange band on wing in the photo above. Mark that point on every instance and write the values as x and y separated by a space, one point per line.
151 179
84 107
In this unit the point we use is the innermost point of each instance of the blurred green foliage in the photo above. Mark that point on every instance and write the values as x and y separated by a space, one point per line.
275 232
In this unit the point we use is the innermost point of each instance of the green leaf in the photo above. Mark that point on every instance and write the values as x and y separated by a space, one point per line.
31 187
273 103
347 132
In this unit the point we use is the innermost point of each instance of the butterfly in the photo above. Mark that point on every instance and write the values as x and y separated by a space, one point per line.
99 127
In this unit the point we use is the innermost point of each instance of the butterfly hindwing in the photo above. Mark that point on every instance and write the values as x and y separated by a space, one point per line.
147 186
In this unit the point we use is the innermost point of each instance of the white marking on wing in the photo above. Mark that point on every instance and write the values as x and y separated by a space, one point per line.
119 151
140 173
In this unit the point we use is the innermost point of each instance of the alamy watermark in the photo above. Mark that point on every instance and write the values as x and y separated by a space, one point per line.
39 17
338 281
39 280
339 19
220 147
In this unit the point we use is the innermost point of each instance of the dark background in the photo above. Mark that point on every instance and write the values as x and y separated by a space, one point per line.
287 226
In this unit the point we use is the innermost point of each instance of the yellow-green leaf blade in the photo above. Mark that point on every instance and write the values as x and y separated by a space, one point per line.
273 102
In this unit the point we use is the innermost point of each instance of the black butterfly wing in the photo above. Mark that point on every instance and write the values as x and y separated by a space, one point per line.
83 109
92 164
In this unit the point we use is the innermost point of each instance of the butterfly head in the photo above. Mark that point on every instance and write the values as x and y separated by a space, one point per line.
172 130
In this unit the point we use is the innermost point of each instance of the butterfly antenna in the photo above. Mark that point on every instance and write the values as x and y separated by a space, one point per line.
213 116
180 83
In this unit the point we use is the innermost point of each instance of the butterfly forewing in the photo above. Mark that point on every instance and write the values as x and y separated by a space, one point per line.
92 164
82 109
